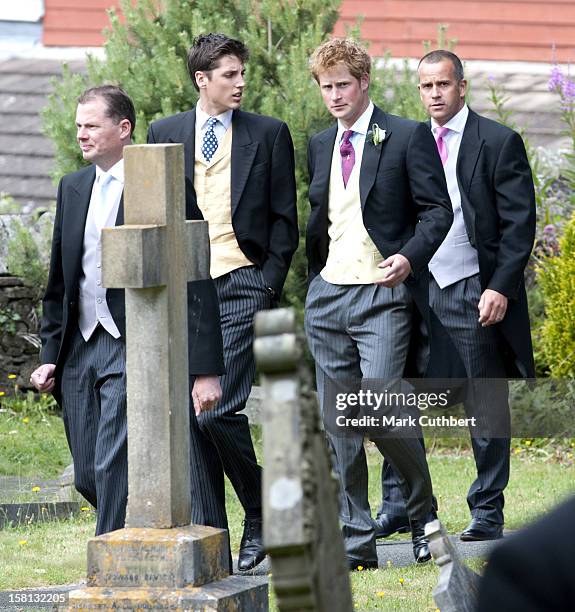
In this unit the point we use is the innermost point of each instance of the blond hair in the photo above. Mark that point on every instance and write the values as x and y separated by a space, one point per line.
338 51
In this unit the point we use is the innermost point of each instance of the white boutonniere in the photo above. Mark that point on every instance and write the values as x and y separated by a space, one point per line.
376 134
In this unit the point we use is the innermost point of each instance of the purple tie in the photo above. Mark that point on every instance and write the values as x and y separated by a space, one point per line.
440 133
347 156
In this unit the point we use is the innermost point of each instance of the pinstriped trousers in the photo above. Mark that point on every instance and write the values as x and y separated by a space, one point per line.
226 443
94 409
358 332
456 308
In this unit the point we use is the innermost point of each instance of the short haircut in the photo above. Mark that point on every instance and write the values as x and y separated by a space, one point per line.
433 57
341 51
208 49
118 103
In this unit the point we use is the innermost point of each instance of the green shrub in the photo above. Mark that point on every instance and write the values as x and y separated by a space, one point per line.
28 252
557 280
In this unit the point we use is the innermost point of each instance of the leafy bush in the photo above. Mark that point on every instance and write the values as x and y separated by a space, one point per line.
28 249
557 280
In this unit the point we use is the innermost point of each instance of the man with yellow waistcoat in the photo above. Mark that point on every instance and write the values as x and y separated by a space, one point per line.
240 178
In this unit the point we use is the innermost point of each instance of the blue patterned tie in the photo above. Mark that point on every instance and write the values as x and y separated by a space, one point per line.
210 142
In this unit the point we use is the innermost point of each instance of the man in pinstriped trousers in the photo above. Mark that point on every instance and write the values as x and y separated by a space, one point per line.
477 289
240 178
379 210
83 325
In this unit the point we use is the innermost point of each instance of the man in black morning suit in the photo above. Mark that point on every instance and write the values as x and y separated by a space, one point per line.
379 210
83 324
240 178
477 290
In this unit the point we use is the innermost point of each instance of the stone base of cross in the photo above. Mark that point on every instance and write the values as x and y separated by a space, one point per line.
159 561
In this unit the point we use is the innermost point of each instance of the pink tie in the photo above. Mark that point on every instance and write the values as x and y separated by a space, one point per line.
347 156
441 146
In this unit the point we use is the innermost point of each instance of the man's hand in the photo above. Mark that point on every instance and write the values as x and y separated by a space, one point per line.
206 393
492 307
43 377
397 269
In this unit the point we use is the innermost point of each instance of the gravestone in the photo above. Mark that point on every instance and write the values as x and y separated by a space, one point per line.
31 500
300 493
458 586
159 561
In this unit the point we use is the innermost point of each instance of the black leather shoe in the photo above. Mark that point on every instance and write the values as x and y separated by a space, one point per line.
420 542
481 529
388 524
355 565
252 551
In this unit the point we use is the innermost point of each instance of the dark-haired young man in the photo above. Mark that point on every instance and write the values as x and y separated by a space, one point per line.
83 327
240 178
476 287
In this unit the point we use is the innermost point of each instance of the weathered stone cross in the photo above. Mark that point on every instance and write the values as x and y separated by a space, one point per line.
145 257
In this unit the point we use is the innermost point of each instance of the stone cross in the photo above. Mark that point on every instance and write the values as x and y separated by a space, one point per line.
458 586
159 561
300 492
145 257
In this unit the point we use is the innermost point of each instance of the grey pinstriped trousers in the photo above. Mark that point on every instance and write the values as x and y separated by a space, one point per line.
456 308
224 442
94 410
360 332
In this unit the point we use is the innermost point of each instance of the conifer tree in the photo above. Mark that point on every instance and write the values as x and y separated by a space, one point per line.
145 53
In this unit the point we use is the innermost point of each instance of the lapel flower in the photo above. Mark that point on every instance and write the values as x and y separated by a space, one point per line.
376 134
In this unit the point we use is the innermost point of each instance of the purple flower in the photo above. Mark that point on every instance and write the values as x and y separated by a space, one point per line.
549 229
556 80
568 90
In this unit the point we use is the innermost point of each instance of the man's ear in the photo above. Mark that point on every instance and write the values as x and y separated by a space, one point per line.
364 81
201 78
126 128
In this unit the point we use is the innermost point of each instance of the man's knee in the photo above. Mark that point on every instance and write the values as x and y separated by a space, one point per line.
85 484
208 420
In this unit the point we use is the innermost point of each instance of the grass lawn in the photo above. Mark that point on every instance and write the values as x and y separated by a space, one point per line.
55 553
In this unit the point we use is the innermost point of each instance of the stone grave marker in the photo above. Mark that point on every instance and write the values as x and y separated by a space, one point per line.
300 501
458 586
31 500
159 561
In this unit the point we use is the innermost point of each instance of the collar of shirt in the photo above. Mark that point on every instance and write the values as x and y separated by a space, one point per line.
202 117
359 128
455 124
116 171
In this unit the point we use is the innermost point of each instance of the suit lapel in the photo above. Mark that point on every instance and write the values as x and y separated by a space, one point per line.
469 151
188 138
120 215
322 164
243 154
371 156
76 212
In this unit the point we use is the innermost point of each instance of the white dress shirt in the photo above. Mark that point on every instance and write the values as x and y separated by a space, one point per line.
220 129
93 308
455 259
360 129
